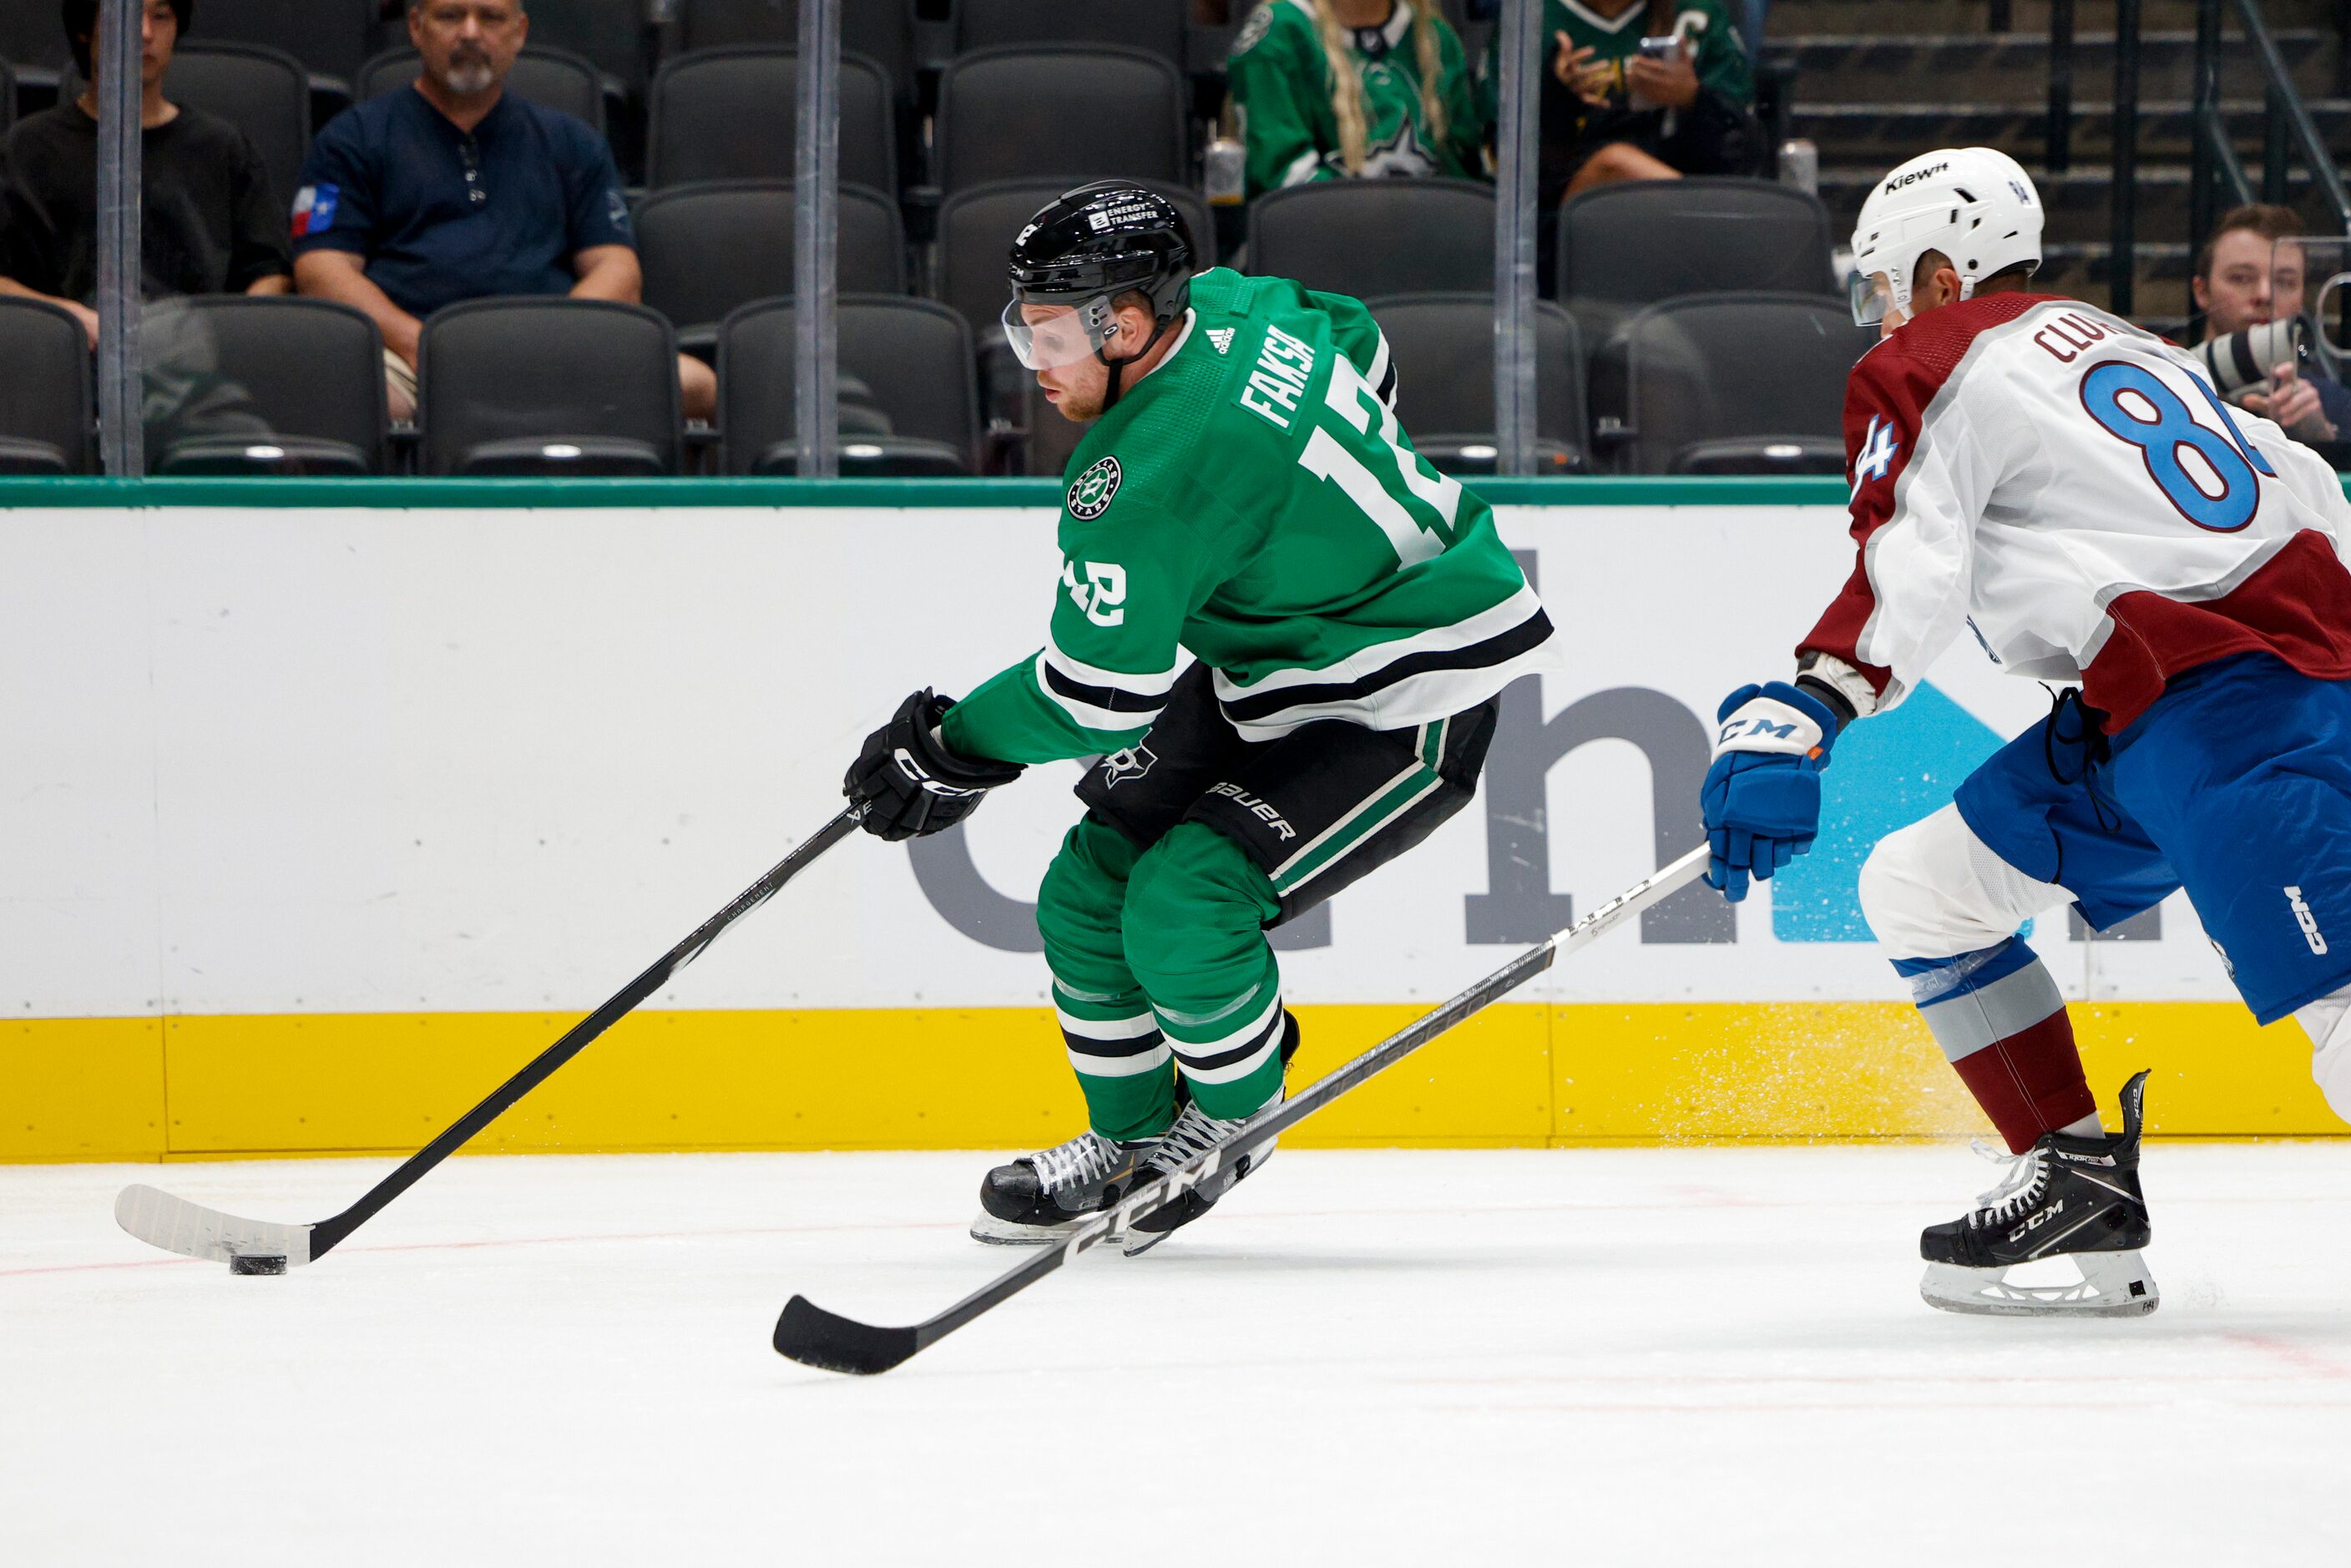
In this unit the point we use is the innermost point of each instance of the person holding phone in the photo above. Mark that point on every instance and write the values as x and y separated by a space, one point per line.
1642 90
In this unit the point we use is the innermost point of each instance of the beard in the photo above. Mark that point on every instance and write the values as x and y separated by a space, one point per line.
1079 405
469 74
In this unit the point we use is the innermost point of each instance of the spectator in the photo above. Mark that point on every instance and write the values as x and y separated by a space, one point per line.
1333 89
456 191
2251 271
1623 104
210 223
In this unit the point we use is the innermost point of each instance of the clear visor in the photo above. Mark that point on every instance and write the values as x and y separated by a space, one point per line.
1873 298
1061 338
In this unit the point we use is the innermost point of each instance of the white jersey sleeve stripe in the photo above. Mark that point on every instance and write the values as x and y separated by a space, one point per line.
1154 684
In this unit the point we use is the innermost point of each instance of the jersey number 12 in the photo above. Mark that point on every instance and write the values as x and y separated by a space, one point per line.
1328 458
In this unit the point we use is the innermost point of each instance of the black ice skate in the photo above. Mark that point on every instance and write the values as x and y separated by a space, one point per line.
1195 1132
1031 1201
2076 1198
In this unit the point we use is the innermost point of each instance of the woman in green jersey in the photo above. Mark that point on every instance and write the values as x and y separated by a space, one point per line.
1331 89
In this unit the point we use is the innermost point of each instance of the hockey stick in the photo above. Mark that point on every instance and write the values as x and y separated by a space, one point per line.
259 1247
810 1336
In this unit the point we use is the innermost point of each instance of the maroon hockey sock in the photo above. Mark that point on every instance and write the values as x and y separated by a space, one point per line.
2030 1083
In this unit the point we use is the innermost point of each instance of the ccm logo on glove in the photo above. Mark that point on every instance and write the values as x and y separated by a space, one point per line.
1767 724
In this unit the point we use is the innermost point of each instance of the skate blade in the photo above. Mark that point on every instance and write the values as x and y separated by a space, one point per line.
2113 1285
995 1232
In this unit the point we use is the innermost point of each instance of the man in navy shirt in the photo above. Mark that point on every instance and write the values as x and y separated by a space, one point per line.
456 191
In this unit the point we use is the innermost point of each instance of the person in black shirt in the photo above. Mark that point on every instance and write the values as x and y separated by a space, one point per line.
454 189
210 223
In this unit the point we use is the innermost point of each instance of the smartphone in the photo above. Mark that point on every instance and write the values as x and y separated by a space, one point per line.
1668 47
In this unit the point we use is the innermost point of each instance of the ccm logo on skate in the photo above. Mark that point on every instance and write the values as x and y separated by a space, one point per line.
2038 1220
2306 920
1256 808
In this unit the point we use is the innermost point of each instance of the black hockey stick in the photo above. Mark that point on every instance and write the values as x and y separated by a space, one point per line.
810 1336
259 1247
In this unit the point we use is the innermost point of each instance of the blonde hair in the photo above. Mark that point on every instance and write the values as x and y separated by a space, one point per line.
1347 84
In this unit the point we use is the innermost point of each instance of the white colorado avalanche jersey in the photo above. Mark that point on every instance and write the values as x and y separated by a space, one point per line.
2068 486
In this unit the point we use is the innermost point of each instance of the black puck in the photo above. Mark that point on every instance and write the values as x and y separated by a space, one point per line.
258 1263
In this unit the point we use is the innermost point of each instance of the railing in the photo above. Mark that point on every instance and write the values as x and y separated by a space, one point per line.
2121 203
2215 168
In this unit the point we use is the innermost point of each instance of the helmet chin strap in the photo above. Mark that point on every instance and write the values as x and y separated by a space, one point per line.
1117 367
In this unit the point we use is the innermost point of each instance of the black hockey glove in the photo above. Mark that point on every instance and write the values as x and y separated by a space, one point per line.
909 784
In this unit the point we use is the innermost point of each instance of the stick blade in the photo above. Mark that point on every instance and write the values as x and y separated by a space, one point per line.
813 1337
192 1231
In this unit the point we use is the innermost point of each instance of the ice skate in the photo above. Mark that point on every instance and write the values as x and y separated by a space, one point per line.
1031 1201
1195 1132
2075 1199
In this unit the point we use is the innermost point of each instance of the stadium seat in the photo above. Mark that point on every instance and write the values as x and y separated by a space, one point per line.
913 356
733 114
1377 237
610 35
330 38
552 78
549 388
1727 383
706 249
46 416
34 44
1625 245
299 382
881 30
976 230
1154 26
1442 349
264 92
1059 112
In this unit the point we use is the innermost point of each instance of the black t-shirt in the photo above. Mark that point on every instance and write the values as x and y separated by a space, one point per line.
210 223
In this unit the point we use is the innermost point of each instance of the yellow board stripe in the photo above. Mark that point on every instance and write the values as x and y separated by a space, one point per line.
1519 1075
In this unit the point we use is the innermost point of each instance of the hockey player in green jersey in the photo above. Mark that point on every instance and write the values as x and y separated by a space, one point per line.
1244 496
1331 89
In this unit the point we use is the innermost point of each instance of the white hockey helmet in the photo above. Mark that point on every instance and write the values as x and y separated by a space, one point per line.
1975 204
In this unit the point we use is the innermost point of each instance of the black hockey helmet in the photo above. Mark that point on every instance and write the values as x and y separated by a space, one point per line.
1084 249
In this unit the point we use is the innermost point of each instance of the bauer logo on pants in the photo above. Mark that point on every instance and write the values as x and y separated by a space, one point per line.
1089 497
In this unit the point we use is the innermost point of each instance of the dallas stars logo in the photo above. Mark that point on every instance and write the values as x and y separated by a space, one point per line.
1401 155
1089 497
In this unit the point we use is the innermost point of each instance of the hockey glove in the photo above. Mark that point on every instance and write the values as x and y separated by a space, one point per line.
907 783
1762 796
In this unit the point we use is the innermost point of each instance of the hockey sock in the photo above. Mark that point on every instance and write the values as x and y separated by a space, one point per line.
1122 1060
2002 1026
1195 924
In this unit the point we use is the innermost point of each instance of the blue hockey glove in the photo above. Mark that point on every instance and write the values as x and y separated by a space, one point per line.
1762 796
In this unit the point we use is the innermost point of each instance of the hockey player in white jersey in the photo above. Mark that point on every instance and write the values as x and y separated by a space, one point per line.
2069 488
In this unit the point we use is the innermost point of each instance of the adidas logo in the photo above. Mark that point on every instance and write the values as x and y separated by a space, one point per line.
1222 337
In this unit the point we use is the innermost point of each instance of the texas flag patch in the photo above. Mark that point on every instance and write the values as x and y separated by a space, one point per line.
314 209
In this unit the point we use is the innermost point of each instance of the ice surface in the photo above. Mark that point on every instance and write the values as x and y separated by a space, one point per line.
1708 1356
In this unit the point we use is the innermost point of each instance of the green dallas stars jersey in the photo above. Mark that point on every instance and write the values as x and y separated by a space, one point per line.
1705 27
1253 501
1281 77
